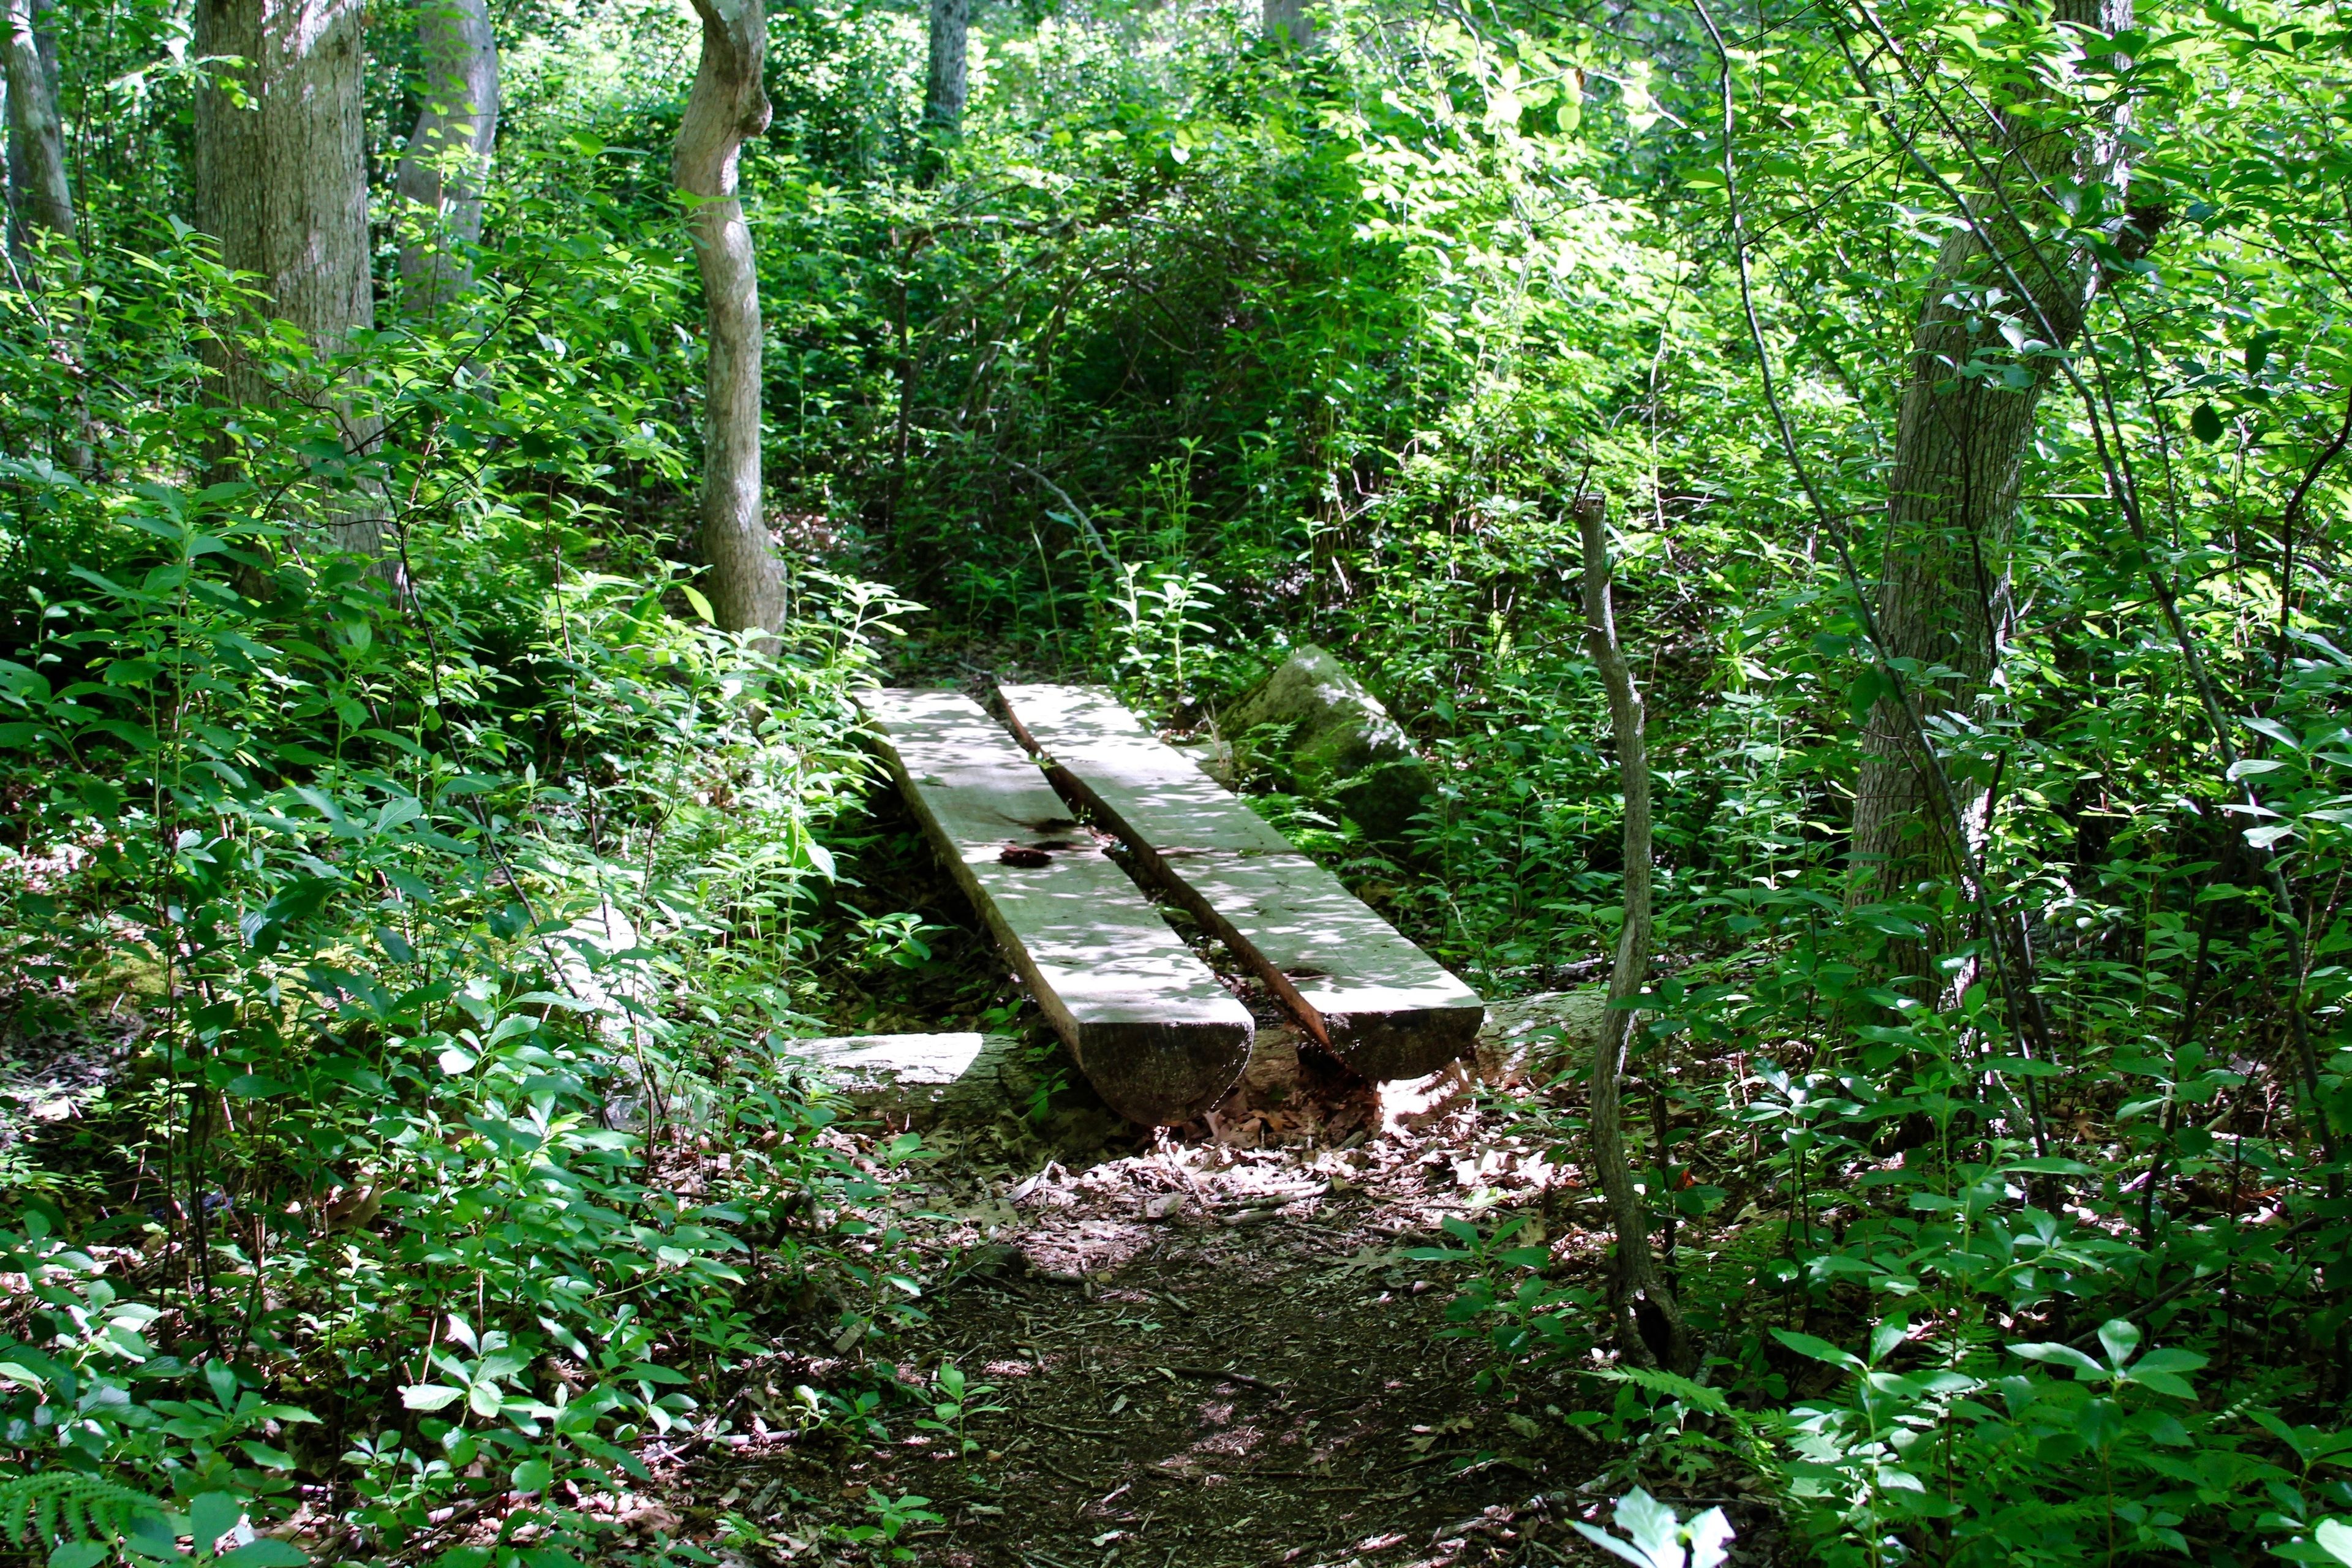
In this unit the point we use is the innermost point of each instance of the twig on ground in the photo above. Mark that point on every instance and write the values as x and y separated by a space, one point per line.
1044 1463
1057 1426
1242 1378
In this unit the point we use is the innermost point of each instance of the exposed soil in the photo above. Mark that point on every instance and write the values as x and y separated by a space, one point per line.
1204 1355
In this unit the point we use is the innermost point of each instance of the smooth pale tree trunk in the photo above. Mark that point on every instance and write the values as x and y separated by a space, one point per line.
41 199
728 104
1945 595
1648 1320
447 160
282 186
37 138
946 84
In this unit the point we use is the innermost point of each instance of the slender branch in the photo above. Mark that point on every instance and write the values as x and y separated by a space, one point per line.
2287 521
1077 512
1648 1316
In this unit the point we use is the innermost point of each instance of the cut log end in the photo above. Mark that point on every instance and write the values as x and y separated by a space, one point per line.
1160 1074
1404 1042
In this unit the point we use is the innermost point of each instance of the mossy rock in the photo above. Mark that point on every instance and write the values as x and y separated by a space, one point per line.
1341 742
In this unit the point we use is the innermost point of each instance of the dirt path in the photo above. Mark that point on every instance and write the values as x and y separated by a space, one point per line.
1204 1355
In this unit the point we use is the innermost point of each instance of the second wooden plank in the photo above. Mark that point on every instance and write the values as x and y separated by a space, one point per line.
1145 1021
1359 986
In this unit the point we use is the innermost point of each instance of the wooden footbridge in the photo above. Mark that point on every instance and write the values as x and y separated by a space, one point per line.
1151 1025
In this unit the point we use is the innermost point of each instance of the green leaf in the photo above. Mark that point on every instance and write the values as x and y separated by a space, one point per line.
2119 1337
266 1552
428 1395
533 1475
79 1554
154 1535
1817 1350
2061 1355
1698 1395
212 1516
2023 1067
2163 1382
2205 423
2334 1537
1658 1538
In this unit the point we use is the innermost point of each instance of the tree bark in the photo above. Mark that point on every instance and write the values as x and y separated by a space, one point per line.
1967 419
41 200
36 142
1649 1319
442 170
945 88
282 187
727 105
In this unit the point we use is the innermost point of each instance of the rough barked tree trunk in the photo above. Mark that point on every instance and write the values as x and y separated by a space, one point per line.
948 79
1966 420
729 104
1649 1319
282 187
37 138
448 159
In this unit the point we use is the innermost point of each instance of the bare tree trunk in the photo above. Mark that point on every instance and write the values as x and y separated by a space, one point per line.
41 201
1966 420
1649 1319
37 139
443 168
282 186
729 104
1287 20
949 81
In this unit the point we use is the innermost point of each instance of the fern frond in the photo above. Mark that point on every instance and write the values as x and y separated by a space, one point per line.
53 1505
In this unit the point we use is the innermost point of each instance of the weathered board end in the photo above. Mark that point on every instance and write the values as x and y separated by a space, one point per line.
952 1075
1147 1022
1358 985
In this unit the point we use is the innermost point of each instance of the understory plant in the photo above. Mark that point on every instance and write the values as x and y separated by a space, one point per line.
449 907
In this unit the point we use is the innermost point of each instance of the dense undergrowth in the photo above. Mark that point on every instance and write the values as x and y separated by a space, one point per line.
428 936
410 930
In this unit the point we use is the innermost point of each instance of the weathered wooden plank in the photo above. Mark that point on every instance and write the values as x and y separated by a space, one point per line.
1358 985
1150 1028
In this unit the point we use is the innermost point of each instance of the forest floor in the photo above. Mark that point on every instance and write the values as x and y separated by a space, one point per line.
1206 1354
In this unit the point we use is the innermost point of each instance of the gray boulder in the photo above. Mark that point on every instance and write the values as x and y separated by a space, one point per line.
1341 742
